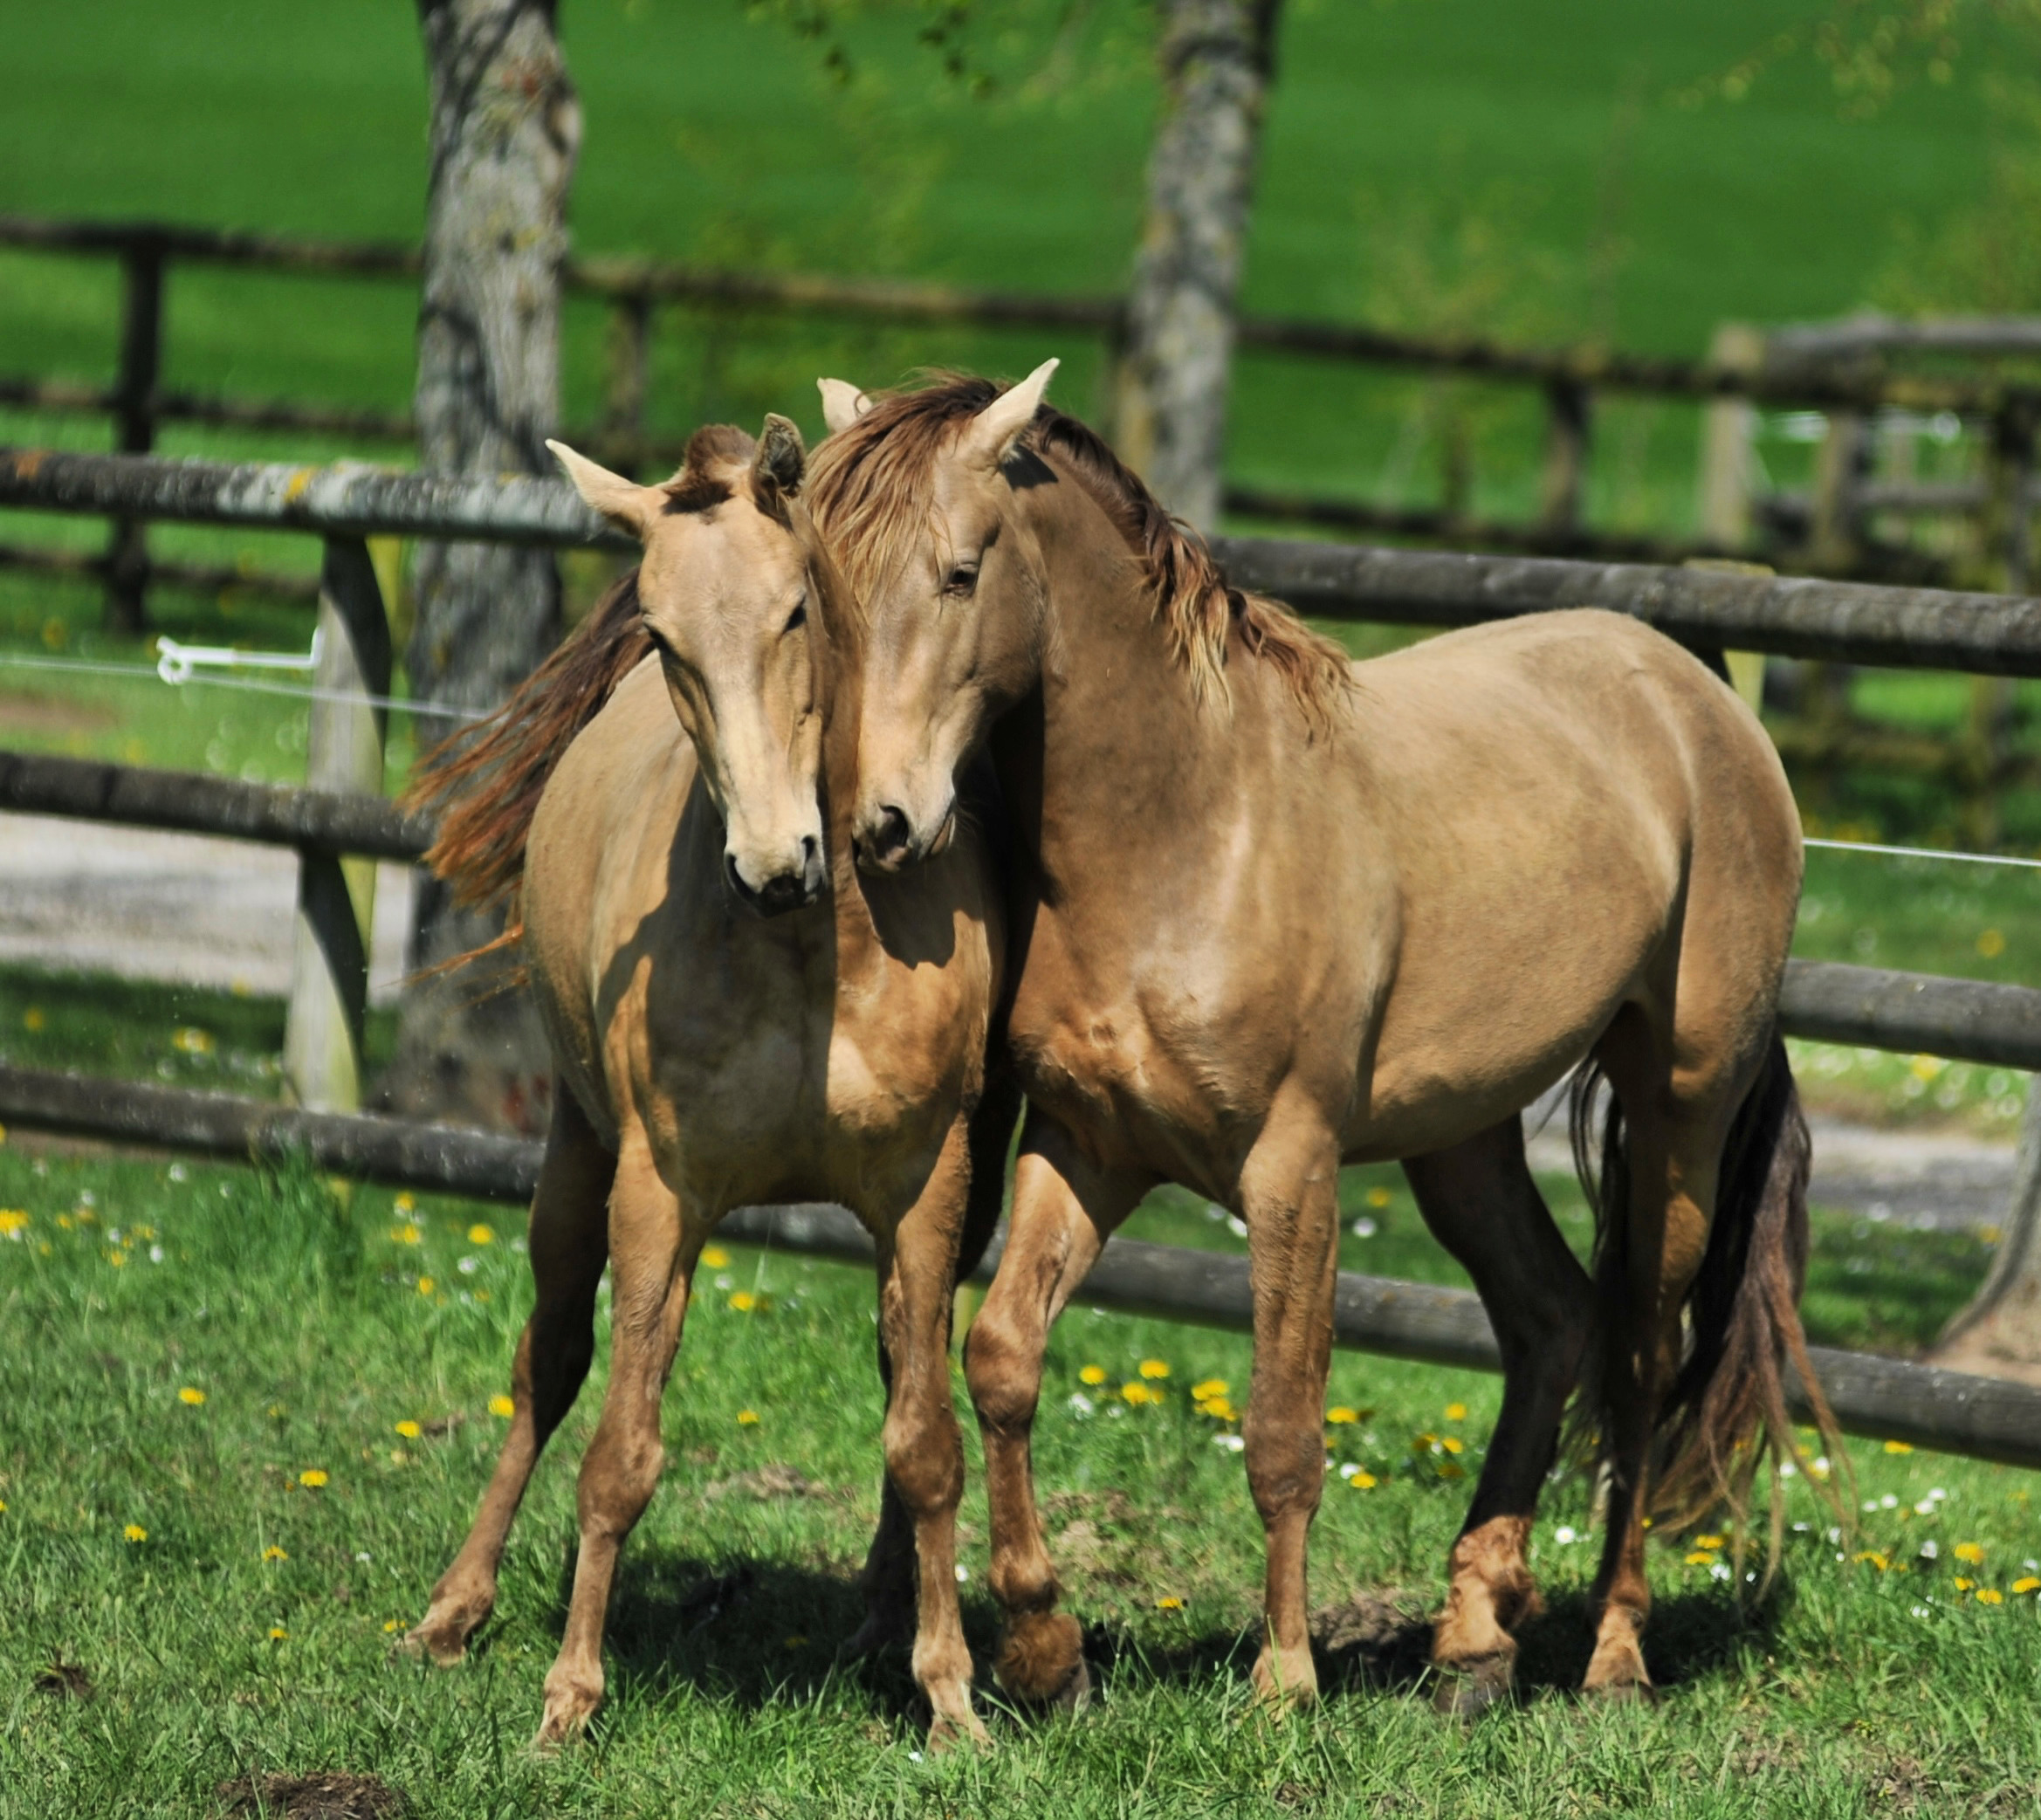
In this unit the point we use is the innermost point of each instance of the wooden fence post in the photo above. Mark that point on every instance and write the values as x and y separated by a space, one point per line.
630 328
1727 429
336 897
134 389
1835 530
1568 413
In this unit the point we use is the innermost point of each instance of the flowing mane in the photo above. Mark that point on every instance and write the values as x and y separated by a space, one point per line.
870 487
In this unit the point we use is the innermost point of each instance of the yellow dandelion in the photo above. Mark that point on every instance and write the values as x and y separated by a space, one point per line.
1989 1596
278 1634
1364 1481
1698 1559
1091 1374
1873 1558
1964 1584
1218 1409
1456 1411
714 1256
193 1041
12 1220
1449 1469
1136 1393
192 1395
116 1257
273 1553
135 1532
409 1430
32 1020
1899 1447
312 1479
1707 1541
500 1405
392 1624
1339 1415
743 1302
407 1234
1971 1552
747 1418
1925 1068
1453 1444
480 1235
1154 1367
1380 1197
1423 1443
426 1286
1169 1602
1202 1392
406 1203
64 1222
2025 1583
1990 943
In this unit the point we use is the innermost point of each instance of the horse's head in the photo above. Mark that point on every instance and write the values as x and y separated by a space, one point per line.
731 590
919 498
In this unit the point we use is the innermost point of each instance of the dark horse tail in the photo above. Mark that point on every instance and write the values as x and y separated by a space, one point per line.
1726 1407
487 780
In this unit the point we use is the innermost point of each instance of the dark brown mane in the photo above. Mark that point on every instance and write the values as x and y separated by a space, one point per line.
870 487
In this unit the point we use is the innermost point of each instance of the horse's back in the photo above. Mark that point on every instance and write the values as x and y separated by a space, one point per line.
1581 815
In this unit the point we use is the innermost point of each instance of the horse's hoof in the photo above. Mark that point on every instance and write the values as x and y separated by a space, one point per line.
1465 1690
951 1731
1621 1693
568 1709
1075 1694
1042 1654
442 1644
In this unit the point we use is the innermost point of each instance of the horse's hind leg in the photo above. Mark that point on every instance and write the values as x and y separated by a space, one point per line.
1676 1124
653 1247
1483 1205
1063 1211
568 1247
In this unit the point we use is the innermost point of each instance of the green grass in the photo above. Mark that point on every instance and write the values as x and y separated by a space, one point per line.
295 1306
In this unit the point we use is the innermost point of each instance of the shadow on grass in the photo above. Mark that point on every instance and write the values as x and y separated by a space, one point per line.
755 1632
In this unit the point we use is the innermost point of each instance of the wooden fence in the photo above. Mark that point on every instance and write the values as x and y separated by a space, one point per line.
1832 530
342 821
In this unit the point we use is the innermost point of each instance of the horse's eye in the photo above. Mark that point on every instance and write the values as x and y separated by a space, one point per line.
798 617
962 581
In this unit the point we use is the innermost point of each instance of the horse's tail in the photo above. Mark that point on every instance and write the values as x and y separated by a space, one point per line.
487 780
1725 1408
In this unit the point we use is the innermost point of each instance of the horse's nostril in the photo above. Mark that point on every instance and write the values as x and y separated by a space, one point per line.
890 837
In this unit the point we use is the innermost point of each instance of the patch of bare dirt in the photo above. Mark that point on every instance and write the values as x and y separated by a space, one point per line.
767 1483
334 1795
51 714
65 1681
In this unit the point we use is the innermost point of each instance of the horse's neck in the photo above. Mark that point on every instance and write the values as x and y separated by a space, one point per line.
1132 767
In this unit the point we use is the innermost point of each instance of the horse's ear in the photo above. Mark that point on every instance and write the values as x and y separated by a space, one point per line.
624 503
842 403
782 459
994 431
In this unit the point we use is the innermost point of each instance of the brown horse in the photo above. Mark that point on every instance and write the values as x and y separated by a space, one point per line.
1275 912
737 1016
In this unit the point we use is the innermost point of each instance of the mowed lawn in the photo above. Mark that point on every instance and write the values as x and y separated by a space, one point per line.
247 1416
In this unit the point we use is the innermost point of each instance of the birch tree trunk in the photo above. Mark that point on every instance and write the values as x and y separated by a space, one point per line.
1169 408
504 129
1999 1334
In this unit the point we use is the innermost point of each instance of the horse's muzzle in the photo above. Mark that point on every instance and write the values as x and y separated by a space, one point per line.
784 891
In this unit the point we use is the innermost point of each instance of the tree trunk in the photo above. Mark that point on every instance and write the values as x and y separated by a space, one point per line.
1999 1333
1169 414
504 129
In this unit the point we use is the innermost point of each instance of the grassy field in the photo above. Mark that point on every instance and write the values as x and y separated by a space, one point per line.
217 1508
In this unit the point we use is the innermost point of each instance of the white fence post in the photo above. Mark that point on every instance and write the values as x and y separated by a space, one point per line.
336 897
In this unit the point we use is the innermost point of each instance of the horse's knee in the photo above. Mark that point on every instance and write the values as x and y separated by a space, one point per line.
1003 1364
618 1477
925 1459
1286 1459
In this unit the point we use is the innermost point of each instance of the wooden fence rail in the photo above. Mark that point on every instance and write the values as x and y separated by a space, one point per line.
1891 1399
1567 379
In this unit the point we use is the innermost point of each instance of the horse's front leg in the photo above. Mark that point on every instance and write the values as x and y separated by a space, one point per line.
1483 1205
924 1446
653 1245
1064 1208
1289 1195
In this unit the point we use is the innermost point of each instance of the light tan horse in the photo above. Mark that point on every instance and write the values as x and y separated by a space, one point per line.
737 1016
1276 912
